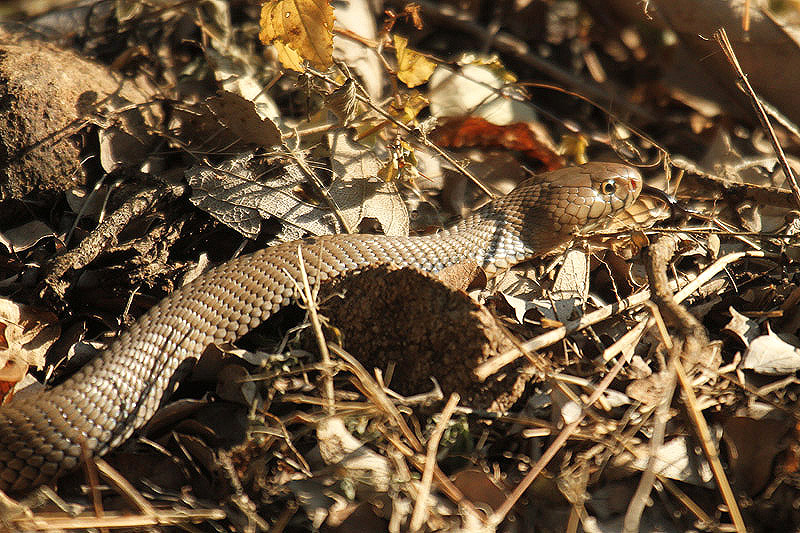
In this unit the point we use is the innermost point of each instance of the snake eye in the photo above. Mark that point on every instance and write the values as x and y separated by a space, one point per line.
609 187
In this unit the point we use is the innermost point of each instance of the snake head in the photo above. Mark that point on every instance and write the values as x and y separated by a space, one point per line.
555 206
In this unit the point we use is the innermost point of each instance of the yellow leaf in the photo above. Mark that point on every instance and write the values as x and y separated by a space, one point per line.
288 57
413 68
408 107
300 30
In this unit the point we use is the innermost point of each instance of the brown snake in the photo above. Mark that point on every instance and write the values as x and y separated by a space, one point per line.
102 404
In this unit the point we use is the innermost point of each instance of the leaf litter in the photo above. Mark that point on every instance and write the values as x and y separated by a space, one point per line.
569 394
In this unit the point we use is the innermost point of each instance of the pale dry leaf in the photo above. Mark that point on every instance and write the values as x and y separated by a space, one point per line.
233 194
356 16
26 334
339 447
745 329
125 10
675 459
300 29
359 193
522 306
571 286
475 90
215 16
771 355
235 71
413 68
125 129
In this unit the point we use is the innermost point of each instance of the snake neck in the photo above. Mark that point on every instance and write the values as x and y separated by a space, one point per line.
493 238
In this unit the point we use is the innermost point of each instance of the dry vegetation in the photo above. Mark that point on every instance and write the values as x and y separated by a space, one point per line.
645 379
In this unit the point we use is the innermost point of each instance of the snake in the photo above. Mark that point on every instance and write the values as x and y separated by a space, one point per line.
103 403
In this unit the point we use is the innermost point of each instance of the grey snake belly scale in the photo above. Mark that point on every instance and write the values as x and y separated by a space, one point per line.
101 405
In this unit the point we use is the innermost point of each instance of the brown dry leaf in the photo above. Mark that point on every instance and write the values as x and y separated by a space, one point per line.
232 194
413 68
479 488
26 334
23 237
463 276
300 30
523 137
239 116
357 190
752 447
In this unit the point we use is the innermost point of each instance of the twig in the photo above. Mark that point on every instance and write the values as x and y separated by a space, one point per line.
103 236
115 521
379 397
546 339
94 482
494 364
721 37
499 515
124 487
420 505
311 306
633 515
709 448
695 342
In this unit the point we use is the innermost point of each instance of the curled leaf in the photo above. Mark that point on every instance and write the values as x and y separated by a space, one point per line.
413 68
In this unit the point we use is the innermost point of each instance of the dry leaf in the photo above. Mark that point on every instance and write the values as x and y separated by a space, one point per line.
232 194
571 286
413 68
357 190
339 447
239 116
26 334
745 329
475 131
676 459
23 237
752 446
769 354
474 90
356 16
300 30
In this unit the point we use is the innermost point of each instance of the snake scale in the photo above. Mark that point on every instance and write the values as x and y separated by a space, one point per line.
102 404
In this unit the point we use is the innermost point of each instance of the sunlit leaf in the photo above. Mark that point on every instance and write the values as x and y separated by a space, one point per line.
300 30
413 68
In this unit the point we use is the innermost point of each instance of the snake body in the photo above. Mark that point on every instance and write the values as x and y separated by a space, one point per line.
101 405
